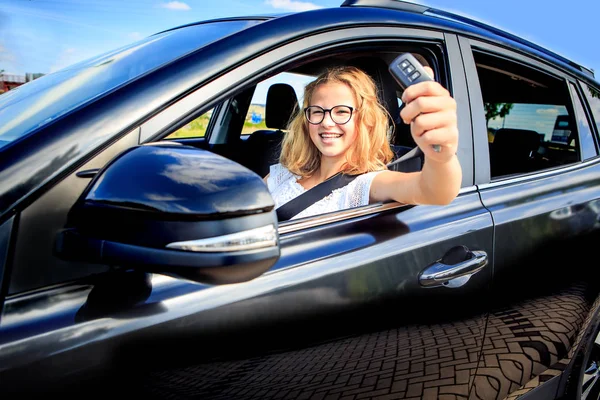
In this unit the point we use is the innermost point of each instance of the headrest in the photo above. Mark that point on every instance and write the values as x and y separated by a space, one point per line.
377 69
282 105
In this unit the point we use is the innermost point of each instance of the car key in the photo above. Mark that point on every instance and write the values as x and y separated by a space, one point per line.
407 70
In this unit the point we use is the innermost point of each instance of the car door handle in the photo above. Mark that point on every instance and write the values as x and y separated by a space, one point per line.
443 274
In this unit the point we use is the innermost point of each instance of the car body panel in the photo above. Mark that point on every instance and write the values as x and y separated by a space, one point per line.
543 222
542 228
317 281
39 223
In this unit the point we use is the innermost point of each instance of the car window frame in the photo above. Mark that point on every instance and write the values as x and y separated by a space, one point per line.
481 151
593 119
6 236
255 70
252 72
577 95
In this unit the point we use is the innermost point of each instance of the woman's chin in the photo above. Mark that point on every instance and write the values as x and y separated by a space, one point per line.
331 153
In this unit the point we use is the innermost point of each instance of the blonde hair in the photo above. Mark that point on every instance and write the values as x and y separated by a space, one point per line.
371 150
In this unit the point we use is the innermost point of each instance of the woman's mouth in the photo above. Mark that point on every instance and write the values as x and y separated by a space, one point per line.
330 135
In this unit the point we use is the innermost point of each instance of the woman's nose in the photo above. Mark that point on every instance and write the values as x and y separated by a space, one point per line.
327 120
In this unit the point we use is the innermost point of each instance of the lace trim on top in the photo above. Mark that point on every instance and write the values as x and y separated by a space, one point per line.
284 187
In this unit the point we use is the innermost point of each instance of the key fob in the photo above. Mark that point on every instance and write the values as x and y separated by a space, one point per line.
407 70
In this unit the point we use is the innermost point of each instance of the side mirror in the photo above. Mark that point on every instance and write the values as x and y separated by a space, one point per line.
175 210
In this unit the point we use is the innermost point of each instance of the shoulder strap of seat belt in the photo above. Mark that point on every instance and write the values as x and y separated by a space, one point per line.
311 196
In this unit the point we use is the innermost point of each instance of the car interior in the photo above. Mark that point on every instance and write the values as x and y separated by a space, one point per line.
261 148
517 148
539 131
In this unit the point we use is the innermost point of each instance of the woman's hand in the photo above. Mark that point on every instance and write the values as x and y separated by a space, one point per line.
431 113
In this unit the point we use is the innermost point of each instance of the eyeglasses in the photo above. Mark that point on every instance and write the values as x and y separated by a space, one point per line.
339 114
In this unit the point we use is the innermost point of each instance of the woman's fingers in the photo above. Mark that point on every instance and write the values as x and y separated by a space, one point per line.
430 88
426 104
431 113
429 121
445 136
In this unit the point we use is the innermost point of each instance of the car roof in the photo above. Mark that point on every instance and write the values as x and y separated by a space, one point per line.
456 20
225 19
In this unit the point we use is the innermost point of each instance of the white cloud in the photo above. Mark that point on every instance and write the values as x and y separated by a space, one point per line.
176 5
549 111
292 5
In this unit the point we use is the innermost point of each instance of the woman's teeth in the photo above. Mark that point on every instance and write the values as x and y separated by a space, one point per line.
330 135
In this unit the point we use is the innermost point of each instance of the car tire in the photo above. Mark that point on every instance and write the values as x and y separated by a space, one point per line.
583 382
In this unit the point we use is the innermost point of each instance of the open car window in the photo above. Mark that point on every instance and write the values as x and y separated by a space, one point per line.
250 125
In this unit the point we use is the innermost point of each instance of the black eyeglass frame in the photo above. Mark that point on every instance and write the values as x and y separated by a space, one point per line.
328 110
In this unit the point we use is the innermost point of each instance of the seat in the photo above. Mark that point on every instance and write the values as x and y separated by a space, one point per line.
264 146
512 151
401 139
407 156
407 159
377 69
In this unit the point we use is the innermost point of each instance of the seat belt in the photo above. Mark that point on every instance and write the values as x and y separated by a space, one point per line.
312 195
415 154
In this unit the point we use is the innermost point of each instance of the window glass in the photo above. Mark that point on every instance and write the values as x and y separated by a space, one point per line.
256 115
45 99
194 129
593 97
529 121
588 148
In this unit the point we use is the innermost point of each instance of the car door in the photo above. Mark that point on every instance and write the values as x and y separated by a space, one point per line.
357 304
538 176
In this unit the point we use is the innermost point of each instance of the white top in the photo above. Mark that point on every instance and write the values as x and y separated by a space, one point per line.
284 187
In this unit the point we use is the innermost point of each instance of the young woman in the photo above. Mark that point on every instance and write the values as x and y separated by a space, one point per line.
343 127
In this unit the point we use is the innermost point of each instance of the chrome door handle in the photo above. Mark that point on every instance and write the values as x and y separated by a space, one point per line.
440 274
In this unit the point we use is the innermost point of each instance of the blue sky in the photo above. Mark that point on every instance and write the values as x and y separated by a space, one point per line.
47 35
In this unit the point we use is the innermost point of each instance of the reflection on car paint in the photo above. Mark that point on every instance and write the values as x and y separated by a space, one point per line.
526 343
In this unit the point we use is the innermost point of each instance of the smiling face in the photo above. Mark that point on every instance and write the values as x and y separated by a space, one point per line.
358 146
332 139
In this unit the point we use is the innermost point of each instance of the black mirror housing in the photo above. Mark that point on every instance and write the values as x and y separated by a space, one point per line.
175 210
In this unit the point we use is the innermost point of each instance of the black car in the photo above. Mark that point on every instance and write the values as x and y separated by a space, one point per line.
140 252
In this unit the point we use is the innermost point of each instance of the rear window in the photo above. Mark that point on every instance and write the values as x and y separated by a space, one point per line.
45 99
529 117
